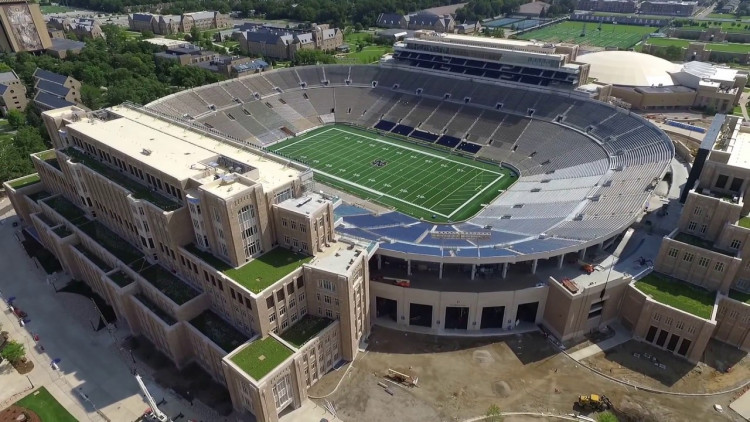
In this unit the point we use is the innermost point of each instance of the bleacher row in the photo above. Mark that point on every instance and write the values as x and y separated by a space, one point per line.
586 166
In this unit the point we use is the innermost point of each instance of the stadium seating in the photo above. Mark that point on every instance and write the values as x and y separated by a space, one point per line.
584 165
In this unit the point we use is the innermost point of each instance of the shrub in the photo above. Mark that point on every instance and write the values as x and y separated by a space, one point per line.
13 351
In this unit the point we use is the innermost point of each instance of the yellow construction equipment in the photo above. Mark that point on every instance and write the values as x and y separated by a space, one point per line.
594 402
403 378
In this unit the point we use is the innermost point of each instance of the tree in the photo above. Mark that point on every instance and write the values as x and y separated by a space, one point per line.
493 414
195 34
358 27
13 351
16 119
606 417
309 57
91 96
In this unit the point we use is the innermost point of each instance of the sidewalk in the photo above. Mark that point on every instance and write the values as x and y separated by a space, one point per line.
620 337
94 374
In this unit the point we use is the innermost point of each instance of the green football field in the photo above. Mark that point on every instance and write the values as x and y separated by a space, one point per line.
419 181
604 35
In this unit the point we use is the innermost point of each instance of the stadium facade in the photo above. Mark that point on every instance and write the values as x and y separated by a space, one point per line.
223 253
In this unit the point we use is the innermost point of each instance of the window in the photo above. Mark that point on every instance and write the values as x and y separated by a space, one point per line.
284 222
692 225
281 392
293 224
721 181
282 309
304 246
327 285
329 313
673 252
327 299
284 324
657 317
703 228
736 244
719 267
697 211
292 302
303 228
703 261
680 325
688 257
287 240
272 317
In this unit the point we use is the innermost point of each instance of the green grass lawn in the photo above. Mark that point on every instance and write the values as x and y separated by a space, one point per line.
261 356
46 407
621 36
25 181
678 294
305 329
218 330
726 26
724 47
721 16
50 9
744 222
369 54
167 283
739 296
267 269
423 182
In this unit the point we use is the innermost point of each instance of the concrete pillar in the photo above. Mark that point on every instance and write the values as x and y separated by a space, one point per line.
600 247
440 272
380 262
582 254
533 266
560 260
505 269
473 270
408 267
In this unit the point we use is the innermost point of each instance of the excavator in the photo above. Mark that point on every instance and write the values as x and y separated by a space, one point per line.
594 402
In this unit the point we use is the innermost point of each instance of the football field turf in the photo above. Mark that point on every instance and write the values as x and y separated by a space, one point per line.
604 35
419 181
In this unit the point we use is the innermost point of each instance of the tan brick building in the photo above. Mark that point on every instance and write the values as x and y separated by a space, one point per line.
12 92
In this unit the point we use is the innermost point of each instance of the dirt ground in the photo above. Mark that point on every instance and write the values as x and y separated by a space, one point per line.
459 378
13 413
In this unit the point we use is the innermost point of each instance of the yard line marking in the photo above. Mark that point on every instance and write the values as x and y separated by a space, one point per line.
379 193
474 197
418 151
305 138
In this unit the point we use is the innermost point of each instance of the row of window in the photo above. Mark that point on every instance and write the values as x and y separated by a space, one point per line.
292 224
702 261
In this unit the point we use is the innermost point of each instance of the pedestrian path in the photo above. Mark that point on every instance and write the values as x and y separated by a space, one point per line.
620 337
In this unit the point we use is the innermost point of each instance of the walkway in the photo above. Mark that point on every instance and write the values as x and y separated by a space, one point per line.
621 336
742 405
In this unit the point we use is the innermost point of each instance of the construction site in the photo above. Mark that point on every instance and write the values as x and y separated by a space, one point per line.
460 378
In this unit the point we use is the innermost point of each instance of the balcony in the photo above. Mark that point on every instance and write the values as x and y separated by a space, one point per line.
138 190
49 157
156 310
218 331
121 279
677 294
67 209
42 194
261 357
304 330
93 258
62 231
113 243
167 283
24 181
699 242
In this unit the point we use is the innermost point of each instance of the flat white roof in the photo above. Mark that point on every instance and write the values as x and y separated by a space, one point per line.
167 42
740 153
306 204
336 259
174 149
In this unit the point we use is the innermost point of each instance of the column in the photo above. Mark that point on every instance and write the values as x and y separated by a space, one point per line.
533 266
600 247
440 272
380 262
473 270
505 269
582 254
560 260
408 267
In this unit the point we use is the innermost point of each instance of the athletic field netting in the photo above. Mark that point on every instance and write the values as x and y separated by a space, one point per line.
420 181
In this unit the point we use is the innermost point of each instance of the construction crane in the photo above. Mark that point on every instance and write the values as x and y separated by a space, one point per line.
155 413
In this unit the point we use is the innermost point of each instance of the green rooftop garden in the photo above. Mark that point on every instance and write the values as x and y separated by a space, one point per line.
267 269
740 296
218 331
163 315
67 209
208 258
261 357
305 329
744 222
138 190
120 278
93 258
25 181
677 294
166 282
39 195
701 243
62 231
49 157
113 243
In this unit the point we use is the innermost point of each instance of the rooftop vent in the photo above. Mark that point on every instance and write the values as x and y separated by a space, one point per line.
145 151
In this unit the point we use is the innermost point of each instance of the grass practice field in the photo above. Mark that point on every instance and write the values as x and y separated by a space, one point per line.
46 407
604 35
419 181
725 47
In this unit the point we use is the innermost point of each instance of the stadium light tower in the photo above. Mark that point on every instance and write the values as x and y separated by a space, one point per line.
156 414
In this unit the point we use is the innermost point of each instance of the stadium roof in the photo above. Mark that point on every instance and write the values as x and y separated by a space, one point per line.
629 68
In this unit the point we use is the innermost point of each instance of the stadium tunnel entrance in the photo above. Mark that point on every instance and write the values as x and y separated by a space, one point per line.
386 308
456 318
492 317
420 315
527 312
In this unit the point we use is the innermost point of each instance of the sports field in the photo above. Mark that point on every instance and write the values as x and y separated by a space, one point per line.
416 180
598 35
724 47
